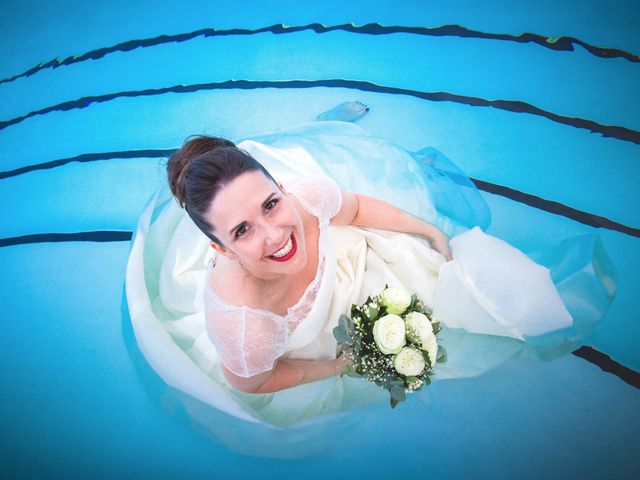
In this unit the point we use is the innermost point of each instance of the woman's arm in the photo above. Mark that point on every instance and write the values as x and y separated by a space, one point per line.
287 373
366 211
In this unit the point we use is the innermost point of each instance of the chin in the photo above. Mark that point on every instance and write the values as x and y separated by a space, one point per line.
297 266
302 263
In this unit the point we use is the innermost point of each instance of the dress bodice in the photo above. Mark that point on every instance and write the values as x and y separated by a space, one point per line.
250 340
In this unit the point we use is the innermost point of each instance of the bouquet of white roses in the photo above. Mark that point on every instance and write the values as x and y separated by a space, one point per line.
391 339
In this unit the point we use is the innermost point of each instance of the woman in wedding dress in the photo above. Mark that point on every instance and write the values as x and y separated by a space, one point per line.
271 263
233 301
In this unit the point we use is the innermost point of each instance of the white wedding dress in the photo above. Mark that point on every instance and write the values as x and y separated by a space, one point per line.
494 301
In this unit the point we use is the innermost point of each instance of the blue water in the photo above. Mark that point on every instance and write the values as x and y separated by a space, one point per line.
77 400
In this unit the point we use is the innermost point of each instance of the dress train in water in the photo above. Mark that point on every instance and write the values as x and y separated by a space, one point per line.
494 301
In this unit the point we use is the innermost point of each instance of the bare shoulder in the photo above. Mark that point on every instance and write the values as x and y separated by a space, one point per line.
348 209
319 194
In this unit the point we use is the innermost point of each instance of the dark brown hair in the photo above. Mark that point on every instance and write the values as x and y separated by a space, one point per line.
200 168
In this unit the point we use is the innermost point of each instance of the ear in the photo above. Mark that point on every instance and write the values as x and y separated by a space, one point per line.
222 250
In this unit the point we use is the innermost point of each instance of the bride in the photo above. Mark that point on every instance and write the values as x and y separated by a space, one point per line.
270 257
233 303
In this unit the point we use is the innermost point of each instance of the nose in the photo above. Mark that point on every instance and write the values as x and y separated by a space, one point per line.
272 234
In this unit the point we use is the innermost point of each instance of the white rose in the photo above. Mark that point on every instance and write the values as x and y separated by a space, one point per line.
420 329
431 346
409 362
396 300
388 332
419 324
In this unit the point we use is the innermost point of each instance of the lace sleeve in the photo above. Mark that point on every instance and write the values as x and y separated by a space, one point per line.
247 342
320 195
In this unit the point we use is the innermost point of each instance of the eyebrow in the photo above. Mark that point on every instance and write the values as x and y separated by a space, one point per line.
264 204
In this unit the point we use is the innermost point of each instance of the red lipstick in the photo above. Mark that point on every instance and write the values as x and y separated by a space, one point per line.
288 256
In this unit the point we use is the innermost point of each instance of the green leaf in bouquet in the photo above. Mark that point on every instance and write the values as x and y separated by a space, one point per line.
410 380
436 327
427 380
397 393
414 301
341 336
442 354
390 381
348 323
427 360
372 313
343 333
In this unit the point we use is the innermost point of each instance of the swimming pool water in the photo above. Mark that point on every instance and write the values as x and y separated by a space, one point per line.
75 399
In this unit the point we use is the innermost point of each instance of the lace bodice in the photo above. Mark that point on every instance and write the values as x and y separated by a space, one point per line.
250 340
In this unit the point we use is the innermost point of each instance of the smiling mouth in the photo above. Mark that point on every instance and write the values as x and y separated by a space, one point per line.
286 252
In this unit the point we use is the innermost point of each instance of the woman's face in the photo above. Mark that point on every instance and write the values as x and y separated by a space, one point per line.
259 225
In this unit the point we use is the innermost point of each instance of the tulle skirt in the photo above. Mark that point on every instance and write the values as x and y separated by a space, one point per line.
551 305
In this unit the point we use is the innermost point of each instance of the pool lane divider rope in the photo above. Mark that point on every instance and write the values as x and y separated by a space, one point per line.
560 43
621 133
531 200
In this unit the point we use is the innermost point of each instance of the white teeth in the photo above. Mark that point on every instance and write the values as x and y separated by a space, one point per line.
284 250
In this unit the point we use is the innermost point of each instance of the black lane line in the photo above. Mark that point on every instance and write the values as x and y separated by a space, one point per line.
606 363
88 157
555 207
561 43
97 236
540 203
621 133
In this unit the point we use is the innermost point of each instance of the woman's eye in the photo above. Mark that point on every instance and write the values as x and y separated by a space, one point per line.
271 204
241 230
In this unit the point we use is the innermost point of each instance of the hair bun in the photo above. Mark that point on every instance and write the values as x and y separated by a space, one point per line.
181 160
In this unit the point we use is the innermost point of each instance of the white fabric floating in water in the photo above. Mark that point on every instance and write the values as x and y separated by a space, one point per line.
492 287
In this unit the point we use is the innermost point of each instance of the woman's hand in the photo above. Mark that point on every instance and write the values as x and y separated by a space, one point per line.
288 373
343 361
440 242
